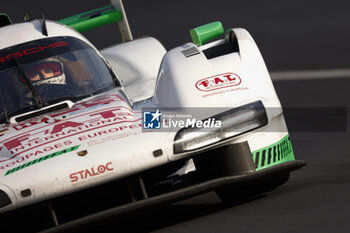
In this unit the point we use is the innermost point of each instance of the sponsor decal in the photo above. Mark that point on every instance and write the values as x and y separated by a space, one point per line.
91 172
78 108
108 132
218 82
226 90
33 50
35 153
35 161
152 120
68 128
92 139
111 134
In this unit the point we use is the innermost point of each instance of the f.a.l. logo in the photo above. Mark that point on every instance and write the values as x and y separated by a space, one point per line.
218 81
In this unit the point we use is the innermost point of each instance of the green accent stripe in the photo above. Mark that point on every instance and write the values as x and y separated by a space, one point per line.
93 19
35 161
279 152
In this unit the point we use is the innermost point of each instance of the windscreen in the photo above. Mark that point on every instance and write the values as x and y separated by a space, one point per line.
43 72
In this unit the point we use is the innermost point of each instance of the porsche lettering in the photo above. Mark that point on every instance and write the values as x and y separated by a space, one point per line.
32 50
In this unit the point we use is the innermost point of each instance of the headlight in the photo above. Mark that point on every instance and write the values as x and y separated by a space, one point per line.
233 122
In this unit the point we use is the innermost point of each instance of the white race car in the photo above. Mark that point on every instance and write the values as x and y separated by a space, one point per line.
87 134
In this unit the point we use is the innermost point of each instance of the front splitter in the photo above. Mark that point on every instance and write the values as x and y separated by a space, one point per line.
177 195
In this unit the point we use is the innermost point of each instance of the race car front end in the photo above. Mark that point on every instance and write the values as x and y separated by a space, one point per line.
100 175
88 141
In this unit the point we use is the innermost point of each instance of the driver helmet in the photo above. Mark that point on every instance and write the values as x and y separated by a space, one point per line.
48 71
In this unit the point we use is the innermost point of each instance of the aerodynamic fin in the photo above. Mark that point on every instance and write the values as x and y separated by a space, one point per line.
100 17
206 33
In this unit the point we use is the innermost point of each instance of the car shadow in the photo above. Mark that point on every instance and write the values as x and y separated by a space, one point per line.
156 218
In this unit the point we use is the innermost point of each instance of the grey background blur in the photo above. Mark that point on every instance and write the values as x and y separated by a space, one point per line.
292 35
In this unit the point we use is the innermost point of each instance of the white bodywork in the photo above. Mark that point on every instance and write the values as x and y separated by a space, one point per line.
108 127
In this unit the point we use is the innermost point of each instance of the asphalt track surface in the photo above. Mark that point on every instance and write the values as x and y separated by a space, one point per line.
293 35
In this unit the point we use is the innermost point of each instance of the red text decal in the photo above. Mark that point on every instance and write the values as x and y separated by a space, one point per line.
32 50
218 81
94 171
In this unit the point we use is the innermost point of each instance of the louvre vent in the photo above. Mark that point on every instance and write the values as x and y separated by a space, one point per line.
190 52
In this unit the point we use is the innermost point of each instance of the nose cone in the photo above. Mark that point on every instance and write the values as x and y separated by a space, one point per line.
94 142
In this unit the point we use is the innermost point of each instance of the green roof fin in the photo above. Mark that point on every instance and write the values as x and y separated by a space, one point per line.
206 33
93 19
